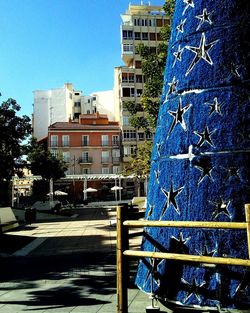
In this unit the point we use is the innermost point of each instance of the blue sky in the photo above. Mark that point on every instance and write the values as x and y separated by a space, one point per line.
46 43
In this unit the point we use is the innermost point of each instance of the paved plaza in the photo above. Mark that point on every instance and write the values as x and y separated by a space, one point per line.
69 265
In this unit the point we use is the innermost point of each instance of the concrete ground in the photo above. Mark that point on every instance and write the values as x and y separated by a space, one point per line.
69 265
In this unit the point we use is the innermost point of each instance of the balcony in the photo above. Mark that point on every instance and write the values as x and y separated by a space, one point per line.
116 143
105 143
105 160
116 159
85 160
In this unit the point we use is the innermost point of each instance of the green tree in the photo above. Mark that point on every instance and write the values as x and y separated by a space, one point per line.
14 131
43 163
153 67
139 166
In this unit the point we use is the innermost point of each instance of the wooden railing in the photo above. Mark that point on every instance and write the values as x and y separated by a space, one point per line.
123 248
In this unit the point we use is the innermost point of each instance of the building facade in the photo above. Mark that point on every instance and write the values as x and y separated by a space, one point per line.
141 24
66 103
90 145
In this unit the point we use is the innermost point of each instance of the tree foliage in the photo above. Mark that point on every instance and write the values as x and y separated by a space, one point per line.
153 67
139 166
43 163
14 130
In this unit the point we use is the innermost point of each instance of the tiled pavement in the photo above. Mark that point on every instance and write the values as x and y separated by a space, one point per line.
69 267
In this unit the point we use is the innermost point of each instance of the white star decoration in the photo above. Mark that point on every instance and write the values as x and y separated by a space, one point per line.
178 55
221 208
215 107
178 116
180 27
204 17
172 88
189 3
193 289
171 195
204 137
201 52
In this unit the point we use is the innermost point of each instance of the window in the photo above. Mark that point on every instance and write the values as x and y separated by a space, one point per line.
116 169
85 171
151 22
138 78
159 23
85 140
85 157
144 36
54 141
141 136
115 140
128 92
94 98
105 140
127 34
105 156
77 94
65 140
149 136
70 95
66 156
125 120
129 135
105 170
137 64
138 92
137 36
159 37
152 36
128 77
77 104
129 150
128 48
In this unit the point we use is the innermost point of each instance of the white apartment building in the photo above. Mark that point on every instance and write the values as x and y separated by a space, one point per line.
140 24
66 103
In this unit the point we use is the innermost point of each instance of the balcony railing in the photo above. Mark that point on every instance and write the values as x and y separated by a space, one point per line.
105 143
116 159
54 143
85 160
105 159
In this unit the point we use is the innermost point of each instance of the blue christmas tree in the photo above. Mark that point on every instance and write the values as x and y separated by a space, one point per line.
200 161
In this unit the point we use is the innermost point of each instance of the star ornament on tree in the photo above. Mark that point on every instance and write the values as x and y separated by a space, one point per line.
172 88
189 3
215 107
221 207
194 289
204 17
180 27
204 137
201 52
178 55
178 116
171 195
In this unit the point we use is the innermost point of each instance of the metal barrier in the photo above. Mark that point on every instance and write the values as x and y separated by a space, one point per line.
123 252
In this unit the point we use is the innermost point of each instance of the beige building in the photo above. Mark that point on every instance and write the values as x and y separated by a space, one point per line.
141 24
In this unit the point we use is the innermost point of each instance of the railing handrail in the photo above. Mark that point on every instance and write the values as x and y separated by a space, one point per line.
185 224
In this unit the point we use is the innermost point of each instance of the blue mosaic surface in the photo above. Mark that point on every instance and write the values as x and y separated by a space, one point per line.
201 156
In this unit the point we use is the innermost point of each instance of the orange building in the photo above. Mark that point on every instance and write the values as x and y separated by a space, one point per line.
89 146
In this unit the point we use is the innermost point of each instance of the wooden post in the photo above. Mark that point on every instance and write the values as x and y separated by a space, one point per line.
121 260
247 212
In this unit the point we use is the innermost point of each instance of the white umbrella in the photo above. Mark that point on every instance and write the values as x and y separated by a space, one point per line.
60 193
116 188
90 190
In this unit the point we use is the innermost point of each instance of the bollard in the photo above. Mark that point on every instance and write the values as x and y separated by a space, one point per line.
121 261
